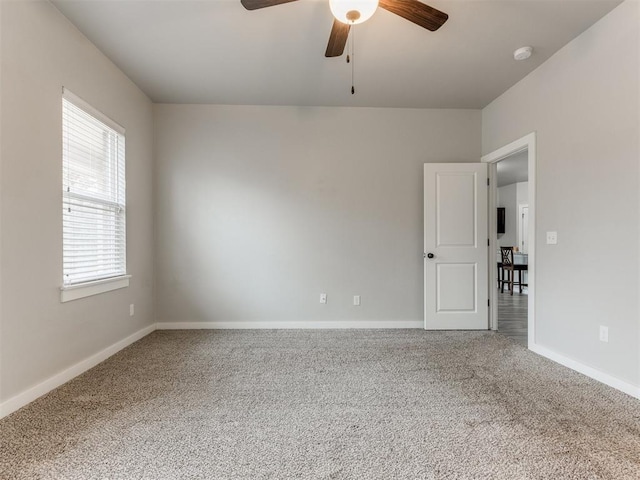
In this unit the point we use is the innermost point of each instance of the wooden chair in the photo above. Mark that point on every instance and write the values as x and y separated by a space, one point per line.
508 270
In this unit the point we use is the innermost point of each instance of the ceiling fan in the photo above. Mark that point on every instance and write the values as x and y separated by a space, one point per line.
352 12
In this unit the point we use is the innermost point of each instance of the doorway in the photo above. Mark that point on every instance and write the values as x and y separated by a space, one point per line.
512 199
512 189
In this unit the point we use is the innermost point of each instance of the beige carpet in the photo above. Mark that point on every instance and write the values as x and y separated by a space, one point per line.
325 404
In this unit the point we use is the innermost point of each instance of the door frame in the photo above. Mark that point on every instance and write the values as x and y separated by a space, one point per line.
528 142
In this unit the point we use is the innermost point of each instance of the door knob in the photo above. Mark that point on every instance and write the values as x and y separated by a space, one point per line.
430 255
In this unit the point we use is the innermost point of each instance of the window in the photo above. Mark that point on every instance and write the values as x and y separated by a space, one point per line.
93 205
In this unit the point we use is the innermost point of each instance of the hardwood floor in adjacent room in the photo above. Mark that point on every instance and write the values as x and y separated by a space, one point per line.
512 315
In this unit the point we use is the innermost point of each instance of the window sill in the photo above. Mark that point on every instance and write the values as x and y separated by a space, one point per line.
81 290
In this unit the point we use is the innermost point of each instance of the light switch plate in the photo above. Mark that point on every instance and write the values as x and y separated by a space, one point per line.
356 300
604 333
552 238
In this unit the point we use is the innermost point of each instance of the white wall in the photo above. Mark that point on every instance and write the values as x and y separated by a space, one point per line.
260 209
41 52
522 193
584 105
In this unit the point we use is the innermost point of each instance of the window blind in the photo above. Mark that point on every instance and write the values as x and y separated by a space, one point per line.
93 205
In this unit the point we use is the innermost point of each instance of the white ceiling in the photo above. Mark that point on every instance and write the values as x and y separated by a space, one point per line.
513 169
215 51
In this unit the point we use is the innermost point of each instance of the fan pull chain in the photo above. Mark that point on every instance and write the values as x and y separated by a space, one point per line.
353 59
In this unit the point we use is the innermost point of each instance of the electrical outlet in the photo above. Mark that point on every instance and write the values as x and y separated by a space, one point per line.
356 300
132 310
323 298
604 333
552 238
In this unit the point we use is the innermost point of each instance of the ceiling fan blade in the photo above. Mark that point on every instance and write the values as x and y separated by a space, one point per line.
416 12
256 4
337 39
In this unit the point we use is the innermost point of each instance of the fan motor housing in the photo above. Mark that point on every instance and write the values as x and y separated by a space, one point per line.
353 15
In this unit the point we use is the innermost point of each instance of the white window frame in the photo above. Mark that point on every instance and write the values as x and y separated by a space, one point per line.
96 286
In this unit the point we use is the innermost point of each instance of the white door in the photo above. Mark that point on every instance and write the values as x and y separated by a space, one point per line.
524 228
455 246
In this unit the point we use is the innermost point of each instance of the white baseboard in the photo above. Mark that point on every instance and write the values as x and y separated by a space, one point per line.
337 324
594 373
28 396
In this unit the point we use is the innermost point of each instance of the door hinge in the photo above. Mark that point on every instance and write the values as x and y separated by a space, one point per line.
488 302
488 242
487 182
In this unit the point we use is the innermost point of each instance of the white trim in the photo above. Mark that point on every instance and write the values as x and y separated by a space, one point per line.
87 289
514 147
528 142
591 372
94 112
493 245
28 396
316 324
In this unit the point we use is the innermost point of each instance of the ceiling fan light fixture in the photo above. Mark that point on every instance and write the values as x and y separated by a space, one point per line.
353 12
